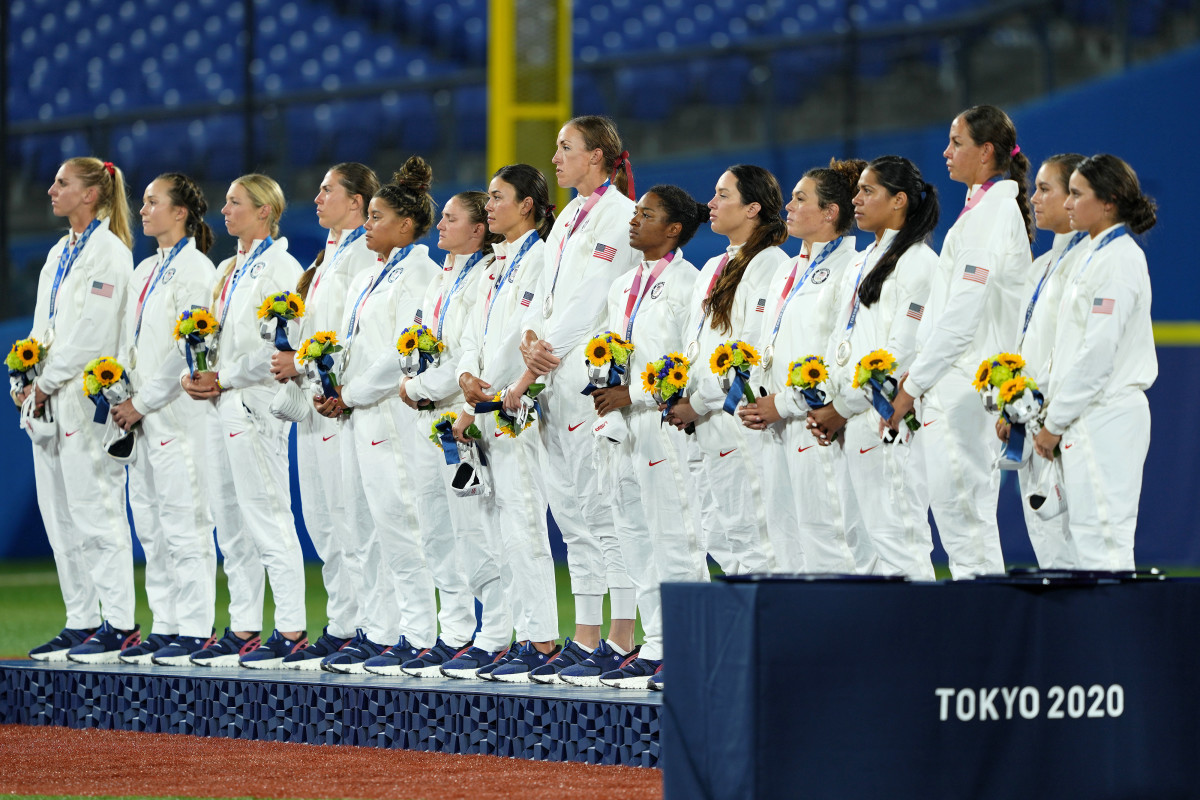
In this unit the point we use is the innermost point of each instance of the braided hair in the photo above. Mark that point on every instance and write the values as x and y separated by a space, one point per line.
186 194
989 124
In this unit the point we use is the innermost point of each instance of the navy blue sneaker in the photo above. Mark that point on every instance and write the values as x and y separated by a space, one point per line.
392 660
634 673
428 664
485 672
656 680
105 645
142 653
528 659
56 649
350 659
311 656
226 651
179 652
270 654
468 662
570 655
603 659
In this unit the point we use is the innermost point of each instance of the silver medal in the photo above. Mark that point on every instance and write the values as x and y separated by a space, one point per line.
548 306
768 355
843 353
48 339
132 357
692 349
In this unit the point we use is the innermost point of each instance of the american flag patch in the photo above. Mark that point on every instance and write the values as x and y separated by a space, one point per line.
417 317
526 298
977 274
102 289
761 305
1102 305
605 252
915 311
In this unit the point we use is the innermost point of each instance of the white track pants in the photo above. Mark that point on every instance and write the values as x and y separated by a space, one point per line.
957 440
168 495
81 494
322 497
252 486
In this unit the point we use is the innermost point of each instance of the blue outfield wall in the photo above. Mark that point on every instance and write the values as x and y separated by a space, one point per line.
1132 114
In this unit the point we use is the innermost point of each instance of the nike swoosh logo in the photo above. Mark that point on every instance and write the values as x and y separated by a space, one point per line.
573 427
327 438
164 444
727 452
1068 446
239 433
656 463
802 449
381 441
72 433
927 424
867 450
498 434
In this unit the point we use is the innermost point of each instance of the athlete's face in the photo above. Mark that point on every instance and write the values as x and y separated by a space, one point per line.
875 208
1048 198
805 217
966 161
159 214
456 232
337 210
1086 211
649 230
241 217
386 230
727 213
572 160
67 193
506 215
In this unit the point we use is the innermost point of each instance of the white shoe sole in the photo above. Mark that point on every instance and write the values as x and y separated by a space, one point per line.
582 680
547 680
107 657
144 658
356 668
217 661
389 670
53 655
304 663
265 663
641 682
461 674
173 661
520 677
434 671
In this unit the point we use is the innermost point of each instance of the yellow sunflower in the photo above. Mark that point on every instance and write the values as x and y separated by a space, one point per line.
880 360
748 351
598 352
721 358
407 342
203 322
680 358
982 375
1012 388
25 354
265 308
107 371
814 372
295 304
1011 360
325 337
649 380
678 376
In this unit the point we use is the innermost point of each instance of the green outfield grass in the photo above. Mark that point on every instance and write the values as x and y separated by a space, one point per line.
31 607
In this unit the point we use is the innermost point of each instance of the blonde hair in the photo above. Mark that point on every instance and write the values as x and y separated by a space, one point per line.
264 191
111 201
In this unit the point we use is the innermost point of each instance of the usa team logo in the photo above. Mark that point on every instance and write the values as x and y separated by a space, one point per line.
657 290
604 252
820 276
394 275
170 273
257 269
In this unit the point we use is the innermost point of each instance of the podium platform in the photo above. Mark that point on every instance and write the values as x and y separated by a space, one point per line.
552 723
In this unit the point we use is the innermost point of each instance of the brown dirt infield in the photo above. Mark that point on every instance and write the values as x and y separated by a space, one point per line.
56 760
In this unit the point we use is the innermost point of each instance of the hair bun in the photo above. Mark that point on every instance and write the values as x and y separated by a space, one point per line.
416 174
703 212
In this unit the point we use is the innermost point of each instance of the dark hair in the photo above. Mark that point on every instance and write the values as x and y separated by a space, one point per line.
897 174
681 207
529 182
357 179
186 194
838 183
754 185
475 203
989 124
1115 182
600 133
408 194
1066 163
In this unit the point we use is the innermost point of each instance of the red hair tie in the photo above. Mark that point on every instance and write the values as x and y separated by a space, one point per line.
1016 149
550 208
112 171
623 161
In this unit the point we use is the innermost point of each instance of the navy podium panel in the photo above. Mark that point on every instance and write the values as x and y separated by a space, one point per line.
847 689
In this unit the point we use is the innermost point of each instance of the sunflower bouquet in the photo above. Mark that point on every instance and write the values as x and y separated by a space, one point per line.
512 425
315 358
419 349
607 361
1021 406
731 363
805 376
992 374
106 385
192 330
441 433
24 363
666 379
873 374
280 314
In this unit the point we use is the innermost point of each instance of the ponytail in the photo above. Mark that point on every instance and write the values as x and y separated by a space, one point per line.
990 125
1114 181
186 194
600 133
896 174
112 203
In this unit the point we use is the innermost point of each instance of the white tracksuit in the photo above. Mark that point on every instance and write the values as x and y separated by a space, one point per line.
592 257
974 312
885 482
377 471
1104 360
168 489
800 480
731 460
465 563
250 490
80 489
1054 270
318 451
646 472
514 517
